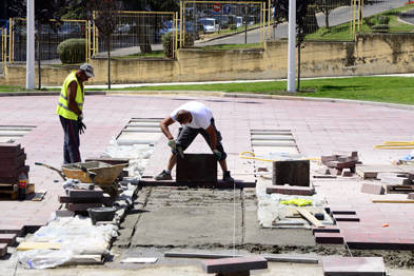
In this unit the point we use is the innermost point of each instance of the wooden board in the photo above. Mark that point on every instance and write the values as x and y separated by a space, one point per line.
402 189
24 246
371 171
292 212
309 217
401 201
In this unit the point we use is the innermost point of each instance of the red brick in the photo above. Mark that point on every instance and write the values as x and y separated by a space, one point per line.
326 229
79 207
9 148
346 218
347 172
19 160
345 266
228 265
12 229
379 245
290 190
9 239
342 212
3 249
374 188
332 238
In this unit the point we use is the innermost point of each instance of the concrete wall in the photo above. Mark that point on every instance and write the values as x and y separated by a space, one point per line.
370 54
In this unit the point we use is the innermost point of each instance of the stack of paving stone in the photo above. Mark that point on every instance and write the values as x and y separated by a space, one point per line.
82 197
6 240
341 164
12 164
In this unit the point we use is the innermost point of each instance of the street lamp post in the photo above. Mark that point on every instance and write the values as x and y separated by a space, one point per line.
292 47
30 45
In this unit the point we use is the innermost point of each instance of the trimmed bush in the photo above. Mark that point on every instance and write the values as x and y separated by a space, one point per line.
72 51
167 42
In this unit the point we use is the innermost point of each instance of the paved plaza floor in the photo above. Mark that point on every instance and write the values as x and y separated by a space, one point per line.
319 128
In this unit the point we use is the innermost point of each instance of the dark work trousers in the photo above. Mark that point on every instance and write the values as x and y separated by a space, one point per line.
186 136
71 143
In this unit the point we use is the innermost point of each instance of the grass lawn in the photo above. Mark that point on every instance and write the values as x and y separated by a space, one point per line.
9 89
342 32
224 47
379 89
154 54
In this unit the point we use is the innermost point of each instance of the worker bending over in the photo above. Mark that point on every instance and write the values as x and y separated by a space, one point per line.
195 118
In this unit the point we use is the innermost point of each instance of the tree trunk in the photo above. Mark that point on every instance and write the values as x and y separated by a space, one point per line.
144 33
327 19
108 41
299 47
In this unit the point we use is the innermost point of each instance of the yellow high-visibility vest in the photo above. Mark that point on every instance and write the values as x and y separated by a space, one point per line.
63 106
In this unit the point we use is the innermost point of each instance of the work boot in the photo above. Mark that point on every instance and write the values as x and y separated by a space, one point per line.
163 176
227 177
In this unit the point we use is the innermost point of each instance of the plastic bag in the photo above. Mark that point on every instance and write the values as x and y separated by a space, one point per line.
41 259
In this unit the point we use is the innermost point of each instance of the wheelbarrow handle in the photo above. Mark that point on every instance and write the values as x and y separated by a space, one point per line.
61 174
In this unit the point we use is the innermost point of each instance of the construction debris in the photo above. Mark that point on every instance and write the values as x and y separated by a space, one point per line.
63 240
339 163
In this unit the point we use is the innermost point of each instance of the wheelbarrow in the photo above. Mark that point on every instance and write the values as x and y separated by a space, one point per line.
97 172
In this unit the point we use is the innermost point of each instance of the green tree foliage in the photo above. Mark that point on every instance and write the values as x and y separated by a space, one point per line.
151 5
105 15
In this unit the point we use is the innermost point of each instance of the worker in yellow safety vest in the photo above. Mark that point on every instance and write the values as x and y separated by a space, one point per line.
69 109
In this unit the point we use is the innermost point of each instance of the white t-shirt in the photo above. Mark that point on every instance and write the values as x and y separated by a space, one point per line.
201 114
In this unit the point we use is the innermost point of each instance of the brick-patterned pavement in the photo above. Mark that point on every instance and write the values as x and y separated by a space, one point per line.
320 128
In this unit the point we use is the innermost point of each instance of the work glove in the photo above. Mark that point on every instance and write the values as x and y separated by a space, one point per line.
81 125
217 153
172 144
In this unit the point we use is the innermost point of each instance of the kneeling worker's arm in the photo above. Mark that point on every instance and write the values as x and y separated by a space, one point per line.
213 137
164 127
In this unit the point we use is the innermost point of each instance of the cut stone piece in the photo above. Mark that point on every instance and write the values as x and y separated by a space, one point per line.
372 188
290 190
353 266
85 193
231 265
292 172
9 239
3 249
197 168
332 238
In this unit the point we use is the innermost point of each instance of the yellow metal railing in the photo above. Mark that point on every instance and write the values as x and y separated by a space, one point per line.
17 23
356 16
137 21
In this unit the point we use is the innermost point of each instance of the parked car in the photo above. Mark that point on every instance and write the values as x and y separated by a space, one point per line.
189 28
239 21
123 28
70 28
210 25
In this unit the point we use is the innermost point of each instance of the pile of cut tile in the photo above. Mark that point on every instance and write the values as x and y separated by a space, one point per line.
12 164
341 164
78 200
